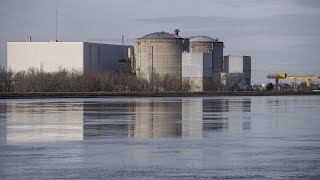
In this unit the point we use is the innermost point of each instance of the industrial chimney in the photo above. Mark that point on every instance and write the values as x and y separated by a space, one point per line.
176 32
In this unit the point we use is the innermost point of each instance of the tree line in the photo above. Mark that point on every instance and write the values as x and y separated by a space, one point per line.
36 80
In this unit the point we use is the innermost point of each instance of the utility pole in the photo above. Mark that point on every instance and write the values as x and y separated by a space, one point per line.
56 24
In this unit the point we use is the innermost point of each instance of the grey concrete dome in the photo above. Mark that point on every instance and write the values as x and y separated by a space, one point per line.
160 35
160 53
202 39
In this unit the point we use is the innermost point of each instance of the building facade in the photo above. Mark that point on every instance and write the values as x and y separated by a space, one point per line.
52 56
238 66
160 53
197 68
208 45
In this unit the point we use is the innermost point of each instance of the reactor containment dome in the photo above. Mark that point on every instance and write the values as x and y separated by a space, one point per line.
159 53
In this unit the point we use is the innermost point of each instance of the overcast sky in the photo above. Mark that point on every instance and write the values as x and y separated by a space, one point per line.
280 35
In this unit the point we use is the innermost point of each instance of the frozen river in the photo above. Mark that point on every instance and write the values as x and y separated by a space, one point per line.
161 138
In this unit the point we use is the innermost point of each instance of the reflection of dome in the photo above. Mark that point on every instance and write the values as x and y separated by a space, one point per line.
156 119
202 39
160 35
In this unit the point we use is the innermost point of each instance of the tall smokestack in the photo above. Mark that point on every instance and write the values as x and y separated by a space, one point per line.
176 32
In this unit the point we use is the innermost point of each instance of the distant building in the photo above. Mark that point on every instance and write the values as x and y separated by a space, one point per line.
198 59
238 67
209 45
158 53
215 47
197 68
52 56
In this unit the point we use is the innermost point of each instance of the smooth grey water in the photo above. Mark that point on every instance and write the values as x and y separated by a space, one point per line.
161 138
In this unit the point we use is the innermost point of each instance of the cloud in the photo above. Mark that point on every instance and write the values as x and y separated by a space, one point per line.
238 4
302 25
308 3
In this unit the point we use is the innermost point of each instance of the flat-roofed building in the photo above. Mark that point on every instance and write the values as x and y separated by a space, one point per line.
197 68
240 65
52 56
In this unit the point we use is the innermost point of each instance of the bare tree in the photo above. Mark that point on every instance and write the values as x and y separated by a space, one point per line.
6 80
35 80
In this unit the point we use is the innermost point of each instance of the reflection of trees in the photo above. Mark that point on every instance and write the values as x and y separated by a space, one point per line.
3 123
246 124
213 118
219 114
106 119
226 82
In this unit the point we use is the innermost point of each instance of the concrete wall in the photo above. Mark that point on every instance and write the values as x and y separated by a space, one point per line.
247 69
233 64
49 56
161 55
216 48
206 47
192 64
217 56
103 57
196 64
195 67
238 64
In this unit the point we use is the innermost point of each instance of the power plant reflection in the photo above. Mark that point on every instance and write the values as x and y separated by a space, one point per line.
122 118
165 118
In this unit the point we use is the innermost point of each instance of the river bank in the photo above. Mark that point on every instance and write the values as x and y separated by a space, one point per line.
30 95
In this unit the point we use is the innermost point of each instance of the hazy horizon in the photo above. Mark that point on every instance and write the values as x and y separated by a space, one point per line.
280 36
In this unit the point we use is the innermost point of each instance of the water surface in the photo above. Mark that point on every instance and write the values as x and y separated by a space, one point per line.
161 138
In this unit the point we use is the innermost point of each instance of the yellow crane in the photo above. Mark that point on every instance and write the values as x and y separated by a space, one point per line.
278 76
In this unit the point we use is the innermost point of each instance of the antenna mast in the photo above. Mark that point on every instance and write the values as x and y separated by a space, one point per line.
56 25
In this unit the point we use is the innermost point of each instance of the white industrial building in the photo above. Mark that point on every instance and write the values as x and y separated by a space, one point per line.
208 45
213 48
197 68
198 59
52 56
237 67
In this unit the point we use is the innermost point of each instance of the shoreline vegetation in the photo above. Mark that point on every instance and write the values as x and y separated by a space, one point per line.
36 80
35 83
35 95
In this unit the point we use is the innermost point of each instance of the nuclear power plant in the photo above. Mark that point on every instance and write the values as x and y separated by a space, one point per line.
159 52
197 59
